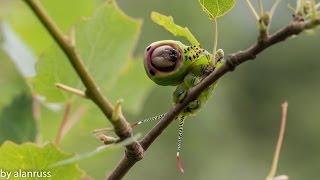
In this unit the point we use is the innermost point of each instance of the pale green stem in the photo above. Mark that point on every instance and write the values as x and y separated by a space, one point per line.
273 169
260 8
215 24
298 6
273 8
314 10
254 12
292 8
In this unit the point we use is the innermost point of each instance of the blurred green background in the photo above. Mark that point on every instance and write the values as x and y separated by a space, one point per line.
234 135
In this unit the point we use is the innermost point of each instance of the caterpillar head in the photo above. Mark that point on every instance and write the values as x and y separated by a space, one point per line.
164 62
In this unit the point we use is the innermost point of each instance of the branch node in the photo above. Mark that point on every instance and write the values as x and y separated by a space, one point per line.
135 153
297 18
232 62
123 132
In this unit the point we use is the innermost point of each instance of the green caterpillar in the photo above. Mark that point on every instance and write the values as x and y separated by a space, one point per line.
171 63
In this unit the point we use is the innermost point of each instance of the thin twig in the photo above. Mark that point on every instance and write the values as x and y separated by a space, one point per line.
254 12
102 130
36 113
261 11
274 165
71 90
273 8
294 28
215 41
72 121
63 123
272 11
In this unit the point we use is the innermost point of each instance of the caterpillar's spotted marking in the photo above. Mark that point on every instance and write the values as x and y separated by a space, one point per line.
171 63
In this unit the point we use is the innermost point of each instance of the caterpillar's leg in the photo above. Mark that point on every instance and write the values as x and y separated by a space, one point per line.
180 135
191 80
180 93
201 70
193 106
148 120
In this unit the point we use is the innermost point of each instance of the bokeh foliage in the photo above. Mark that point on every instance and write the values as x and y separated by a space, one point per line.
29 157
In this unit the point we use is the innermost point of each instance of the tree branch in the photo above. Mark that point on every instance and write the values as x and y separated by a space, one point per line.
232 61
122 129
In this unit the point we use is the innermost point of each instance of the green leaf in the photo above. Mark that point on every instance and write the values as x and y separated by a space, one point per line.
105 42
28 157
24 23
54 67
216 8
16 121
168 23
11 82
133 94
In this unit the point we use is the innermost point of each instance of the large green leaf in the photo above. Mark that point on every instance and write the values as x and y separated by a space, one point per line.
132 90
105 42
31 30
34 159
16 121
216 8
53 67
168 23
11 82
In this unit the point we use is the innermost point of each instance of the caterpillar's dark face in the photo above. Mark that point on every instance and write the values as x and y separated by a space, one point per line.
164 58
164 62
